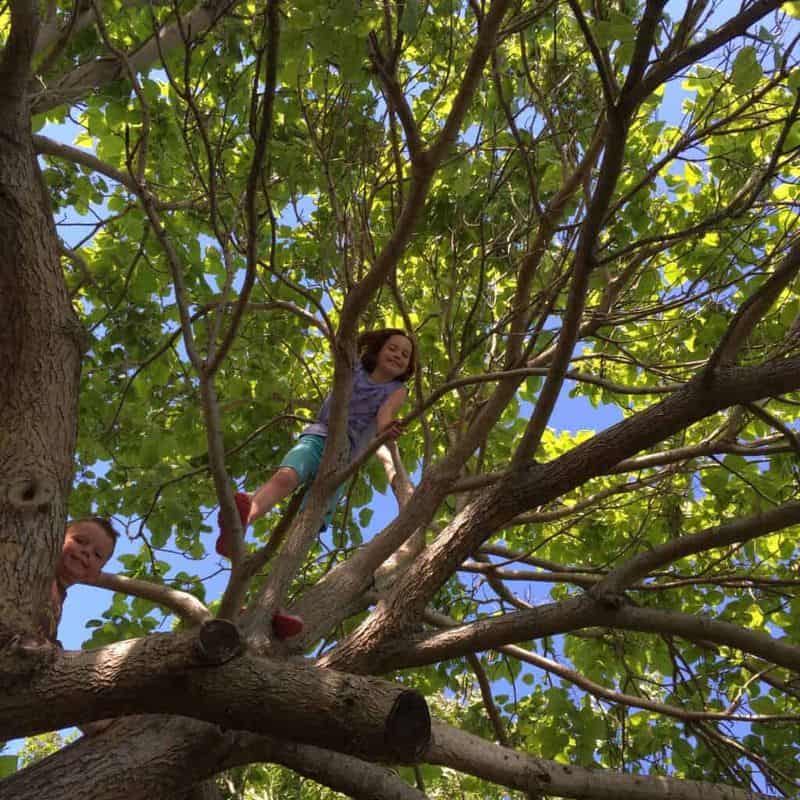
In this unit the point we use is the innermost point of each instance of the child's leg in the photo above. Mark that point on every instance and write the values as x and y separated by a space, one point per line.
299 466
224 541
332 504
282 483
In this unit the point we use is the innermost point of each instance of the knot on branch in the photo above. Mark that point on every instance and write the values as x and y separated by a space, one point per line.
77 333
608 597
408 727
218 641
23 653
30 493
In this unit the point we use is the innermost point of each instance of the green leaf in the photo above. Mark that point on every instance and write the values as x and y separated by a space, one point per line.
746 72
410 18
617 28
8 766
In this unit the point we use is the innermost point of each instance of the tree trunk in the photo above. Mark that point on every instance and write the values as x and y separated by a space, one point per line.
40 344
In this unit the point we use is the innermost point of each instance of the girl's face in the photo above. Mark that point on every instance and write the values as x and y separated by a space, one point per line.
395 355
86 549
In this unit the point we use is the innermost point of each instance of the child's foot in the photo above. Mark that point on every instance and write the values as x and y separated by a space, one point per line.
284 626
243 503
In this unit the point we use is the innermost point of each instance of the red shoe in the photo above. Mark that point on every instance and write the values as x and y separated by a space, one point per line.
243 504
284 626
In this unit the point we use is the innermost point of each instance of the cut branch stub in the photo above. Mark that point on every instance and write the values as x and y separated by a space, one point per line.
408 727
218 641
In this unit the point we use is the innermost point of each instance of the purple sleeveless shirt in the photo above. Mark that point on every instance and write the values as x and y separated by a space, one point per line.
365 401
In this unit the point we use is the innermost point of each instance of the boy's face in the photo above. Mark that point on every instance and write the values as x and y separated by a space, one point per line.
87 548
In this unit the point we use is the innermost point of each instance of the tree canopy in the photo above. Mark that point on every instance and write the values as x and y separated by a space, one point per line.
580 205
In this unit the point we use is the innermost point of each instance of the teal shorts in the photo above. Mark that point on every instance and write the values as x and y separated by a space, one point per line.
304 458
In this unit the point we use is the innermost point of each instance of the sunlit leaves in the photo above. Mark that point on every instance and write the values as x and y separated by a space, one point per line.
746 71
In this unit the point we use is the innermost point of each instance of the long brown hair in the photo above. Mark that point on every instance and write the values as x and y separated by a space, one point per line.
370 343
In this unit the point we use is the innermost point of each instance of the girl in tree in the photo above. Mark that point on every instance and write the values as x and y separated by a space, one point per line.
387 359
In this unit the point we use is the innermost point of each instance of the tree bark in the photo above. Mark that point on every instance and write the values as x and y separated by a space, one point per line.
162 757
203 676
40 351
463 751
141 758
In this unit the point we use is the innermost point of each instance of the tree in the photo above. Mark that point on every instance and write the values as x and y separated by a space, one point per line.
517 186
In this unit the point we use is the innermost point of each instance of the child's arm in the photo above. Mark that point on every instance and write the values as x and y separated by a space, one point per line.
387 413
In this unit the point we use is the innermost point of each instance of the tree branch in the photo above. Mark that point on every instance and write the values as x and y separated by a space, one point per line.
645 37
602 692
607 79
572 615
93 75
185 605
169 673
736 532
132 753
661 72
396 100
467 753
752 310
544 482
582 266
351 776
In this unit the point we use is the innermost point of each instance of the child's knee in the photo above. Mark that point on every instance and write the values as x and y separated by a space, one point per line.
286 477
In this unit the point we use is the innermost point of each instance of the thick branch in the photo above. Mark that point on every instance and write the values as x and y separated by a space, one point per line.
140 758
99 73
572 615
179 674
467 753
351 776
738 531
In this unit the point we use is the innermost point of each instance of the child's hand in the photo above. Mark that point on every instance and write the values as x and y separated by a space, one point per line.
392 429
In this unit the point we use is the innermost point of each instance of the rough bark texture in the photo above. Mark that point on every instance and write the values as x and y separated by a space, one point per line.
39 359
142 758
160 757
526 773
181 674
